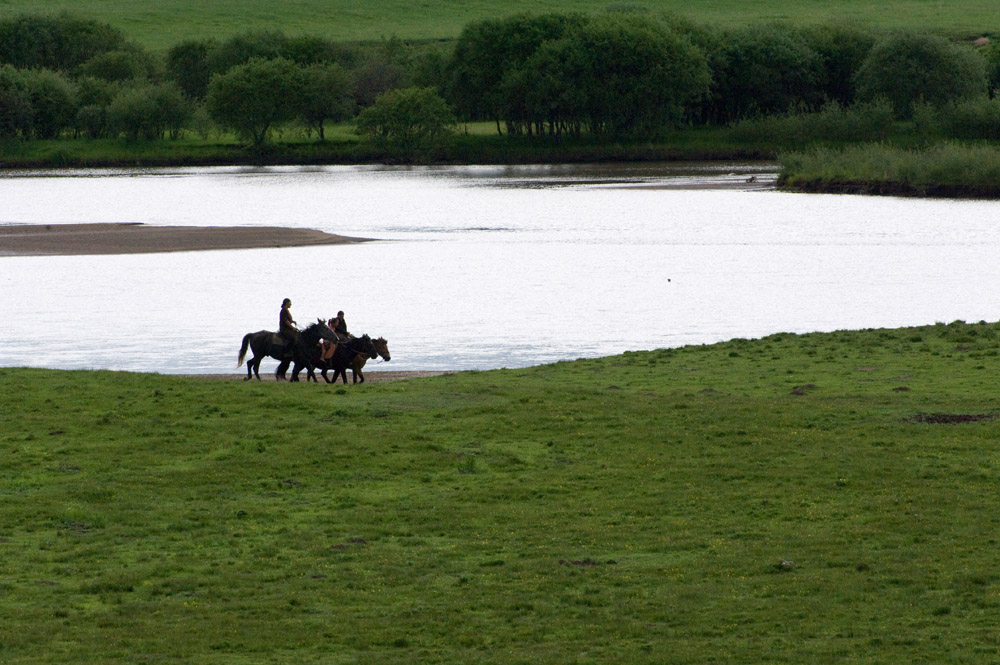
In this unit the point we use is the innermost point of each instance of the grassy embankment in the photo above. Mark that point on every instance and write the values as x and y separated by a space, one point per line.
794 499
162 24
946 169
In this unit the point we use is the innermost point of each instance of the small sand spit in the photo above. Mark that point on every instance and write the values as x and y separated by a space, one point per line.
77 239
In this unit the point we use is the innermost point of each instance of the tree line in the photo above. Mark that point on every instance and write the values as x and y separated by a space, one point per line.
618 74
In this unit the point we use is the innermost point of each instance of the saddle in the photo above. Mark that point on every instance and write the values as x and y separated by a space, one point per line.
281 345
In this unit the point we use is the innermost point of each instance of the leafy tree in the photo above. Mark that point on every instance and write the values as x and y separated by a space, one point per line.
94 96
907 68
842 47
487 51
382 68
546 91
638 74
55 42
92 121
15 104
121 66
53 102
617 74
187 64
764 70
408 117
325 94
252 98
310 50
242 48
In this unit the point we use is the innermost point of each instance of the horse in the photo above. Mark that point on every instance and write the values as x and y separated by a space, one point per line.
341 360
266 343
381 346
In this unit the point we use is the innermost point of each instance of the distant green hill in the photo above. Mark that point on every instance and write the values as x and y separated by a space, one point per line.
158 25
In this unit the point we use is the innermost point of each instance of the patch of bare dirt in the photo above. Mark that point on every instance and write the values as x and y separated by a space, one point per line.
952 418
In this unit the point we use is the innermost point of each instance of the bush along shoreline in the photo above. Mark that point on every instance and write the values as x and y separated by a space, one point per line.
945 170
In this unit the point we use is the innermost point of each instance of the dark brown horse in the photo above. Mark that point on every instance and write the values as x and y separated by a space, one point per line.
381 347
265 343
341 360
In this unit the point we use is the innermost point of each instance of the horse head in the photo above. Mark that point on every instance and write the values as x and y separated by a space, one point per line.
367 347
382 347
321 331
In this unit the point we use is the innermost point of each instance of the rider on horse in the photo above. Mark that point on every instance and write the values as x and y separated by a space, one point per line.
286 324
338 325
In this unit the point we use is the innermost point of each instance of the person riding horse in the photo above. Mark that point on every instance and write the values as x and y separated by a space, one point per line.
286 324
287 332
338 325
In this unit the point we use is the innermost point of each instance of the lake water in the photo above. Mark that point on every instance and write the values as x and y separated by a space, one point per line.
484 267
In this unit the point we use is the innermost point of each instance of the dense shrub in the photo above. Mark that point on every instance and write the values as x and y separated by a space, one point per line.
763 70
638 75
907 68
615 74
325 94
244 47
53 102
15 104
92 121
841 48
149 112
253 97
977 118
380 69
486 51
862 122
187 65
125 65
408 117
55 42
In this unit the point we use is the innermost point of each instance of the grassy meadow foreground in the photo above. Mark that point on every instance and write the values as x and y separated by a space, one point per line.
794 499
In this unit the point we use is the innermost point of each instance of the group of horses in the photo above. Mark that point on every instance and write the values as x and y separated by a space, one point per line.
304 352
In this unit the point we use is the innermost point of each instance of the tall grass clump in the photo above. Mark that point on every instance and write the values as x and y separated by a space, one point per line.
949 168
971 119
862 122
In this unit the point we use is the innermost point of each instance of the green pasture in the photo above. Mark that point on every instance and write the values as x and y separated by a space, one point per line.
160 25
795 499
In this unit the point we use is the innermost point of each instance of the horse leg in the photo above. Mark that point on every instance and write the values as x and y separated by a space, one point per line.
279 373
255 364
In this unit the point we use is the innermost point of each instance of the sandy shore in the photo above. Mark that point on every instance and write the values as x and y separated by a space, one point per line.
75 239
370 376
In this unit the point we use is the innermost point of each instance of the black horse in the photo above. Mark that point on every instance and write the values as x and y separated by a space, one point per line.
339 363
266 343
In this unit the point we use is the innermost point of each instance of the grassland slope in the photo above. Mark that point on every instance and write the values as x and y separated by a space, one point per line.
799 498
160 25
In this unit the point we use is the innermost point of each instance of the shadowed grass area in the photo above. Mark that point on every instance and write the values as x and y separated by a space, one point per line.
798 498
162 24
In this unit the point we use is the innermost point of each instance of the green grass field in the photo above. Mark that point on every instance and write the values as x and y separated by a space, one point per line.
796 499
159 25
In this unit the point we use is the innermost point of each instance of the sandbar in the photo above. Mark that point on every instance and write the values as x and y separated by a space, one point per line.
129 238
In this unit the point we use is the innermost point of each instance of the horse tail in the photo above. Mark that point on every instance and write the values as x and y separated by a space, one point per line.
243 349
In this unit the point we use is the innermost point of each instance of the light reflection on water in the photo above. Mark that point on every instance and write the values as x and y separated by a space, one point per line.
483 267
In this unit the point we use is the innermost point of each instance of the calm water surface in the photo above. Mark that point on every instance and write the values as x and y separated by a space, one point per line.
484 267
